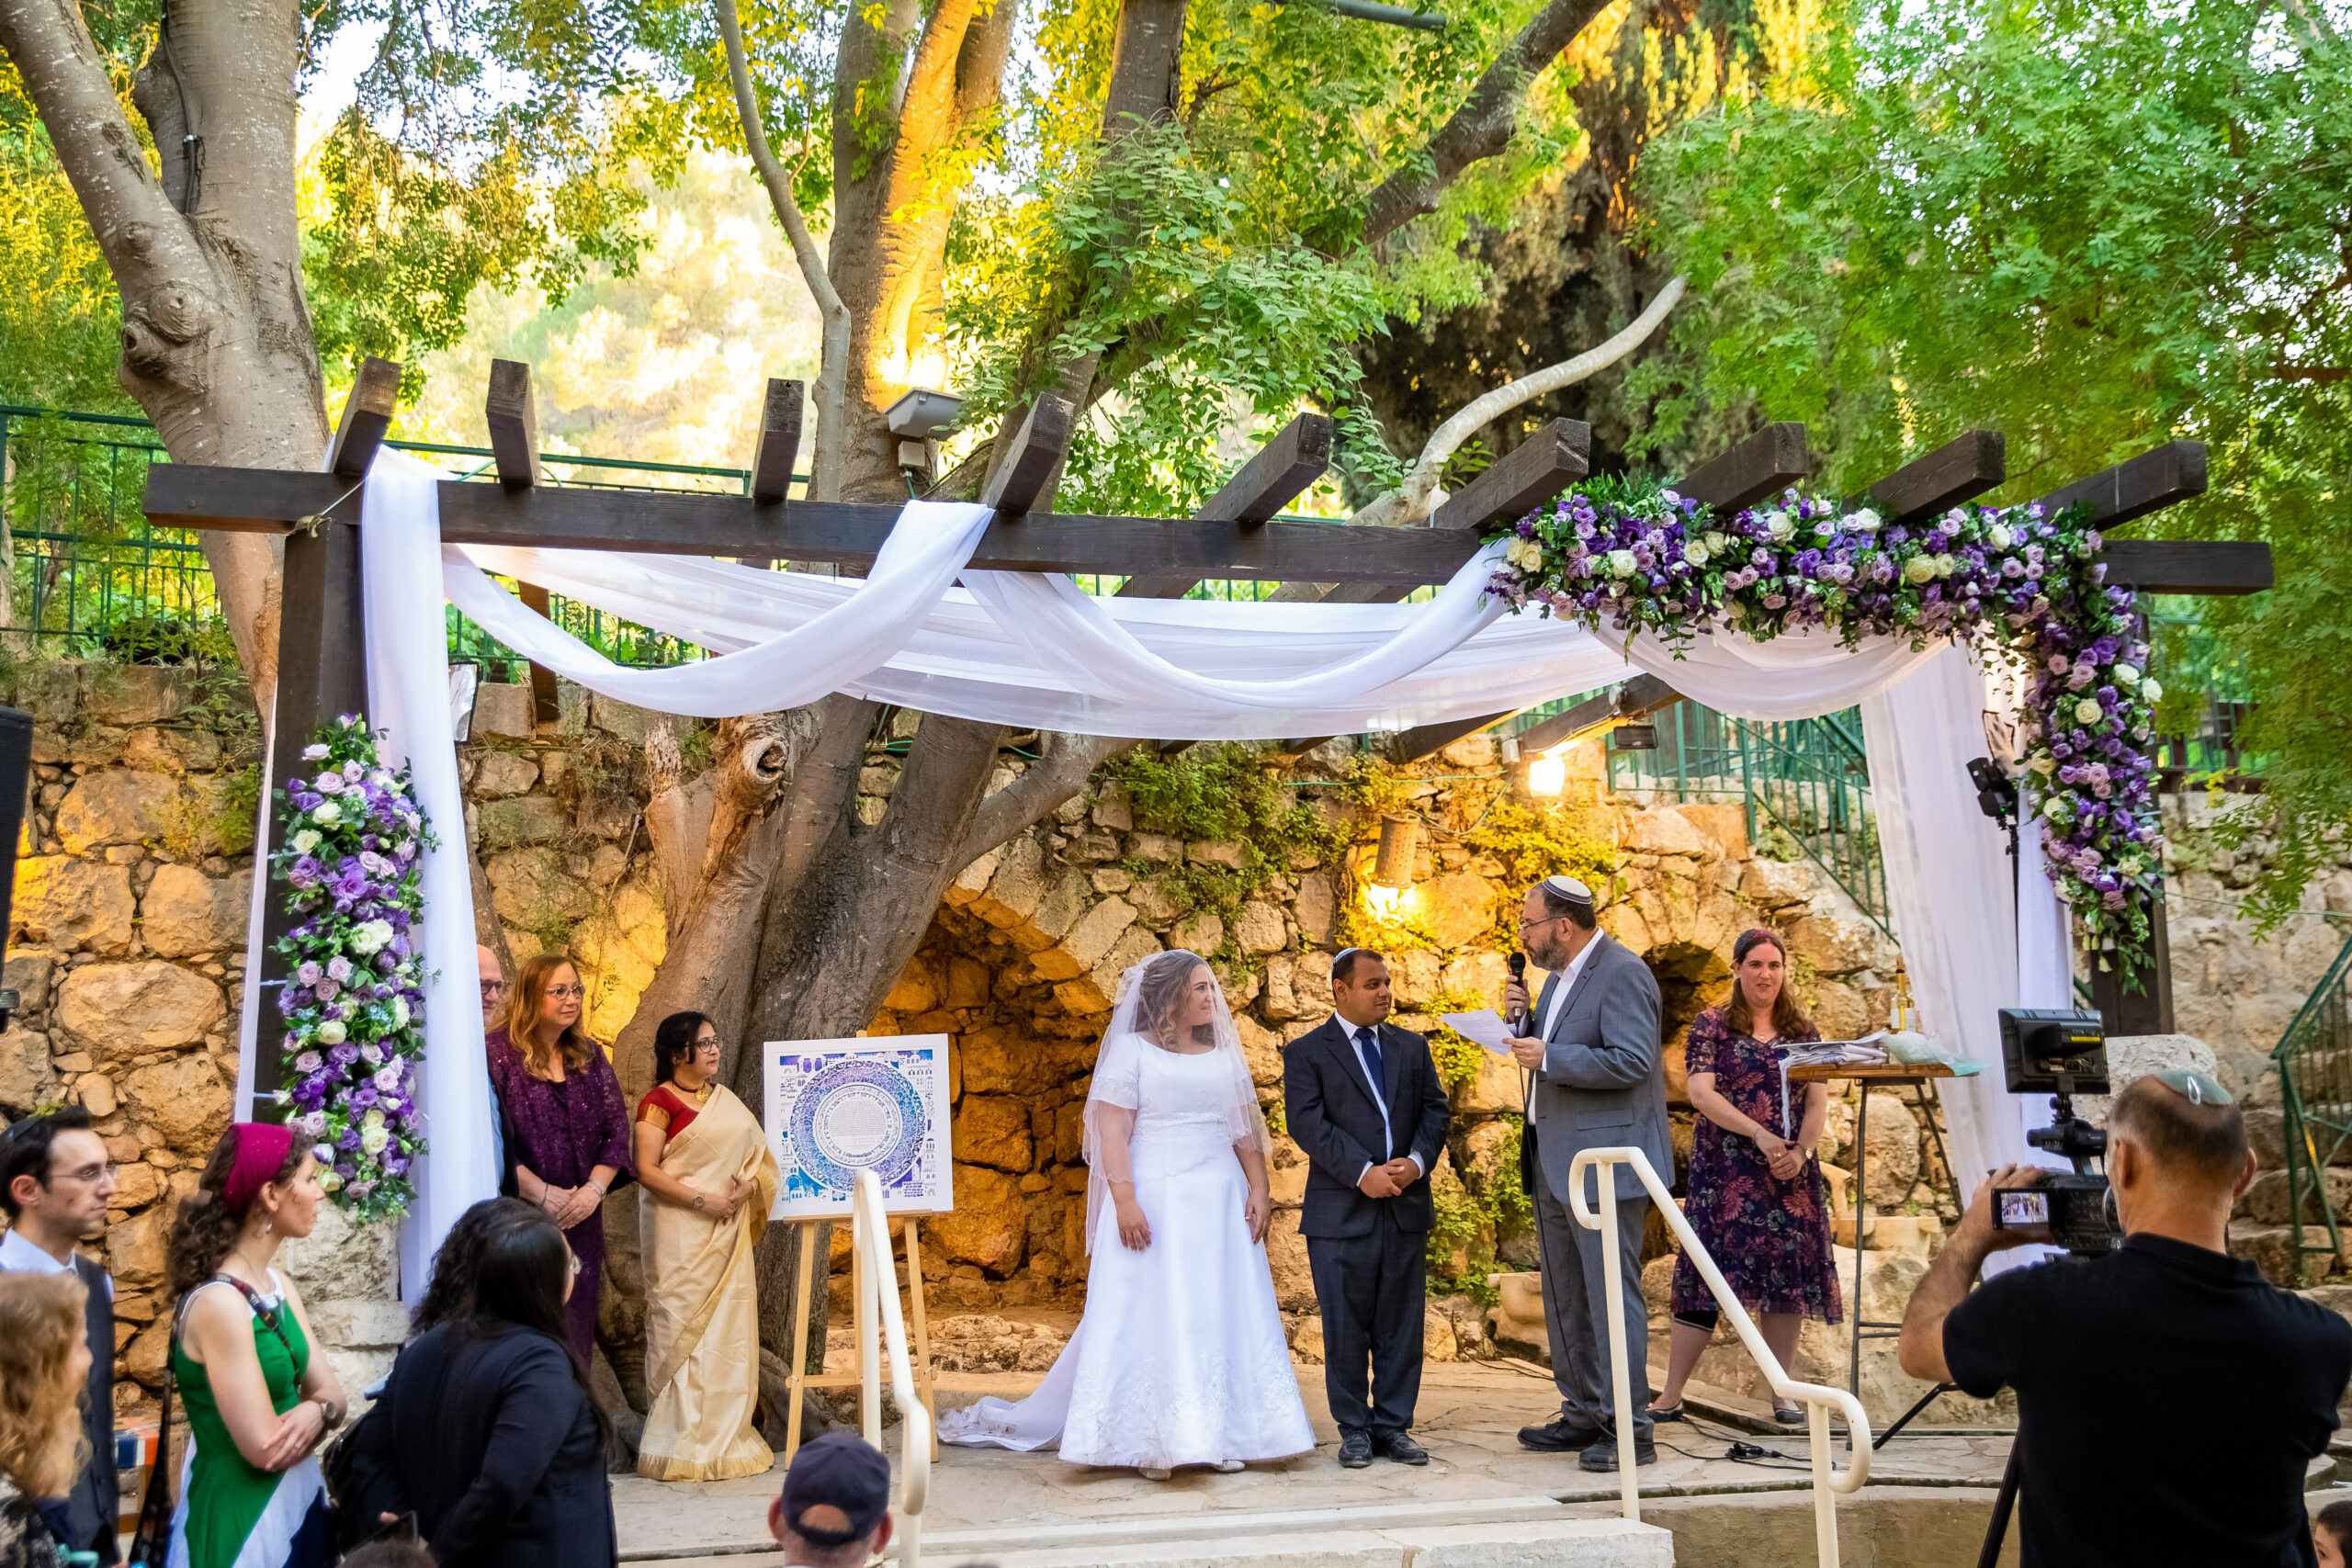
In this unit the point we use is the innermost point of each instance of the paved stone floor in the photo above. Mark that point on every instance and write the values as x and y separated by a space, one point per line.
1470 1413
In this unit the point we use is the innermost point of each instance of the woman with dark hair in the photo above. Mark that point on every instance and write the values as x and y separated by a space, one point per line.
44 1358
258 1402
565 1121
1180 1357
706 1181
1756 1198
486 1430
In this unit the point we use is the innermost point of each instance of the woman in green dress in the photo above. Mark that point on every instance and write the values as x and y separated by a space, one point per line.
258 1402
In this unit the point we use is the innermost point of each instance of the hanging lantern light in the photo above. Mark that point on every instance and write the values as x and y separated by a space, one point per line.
1400 847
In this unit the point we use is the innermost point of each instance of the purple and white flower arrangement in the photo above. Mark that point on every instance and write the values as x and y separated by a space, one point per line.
2015 583
350 849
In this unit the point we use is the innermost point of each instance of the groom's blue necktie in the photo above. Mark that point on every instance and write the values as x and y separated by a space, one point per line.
1368 1046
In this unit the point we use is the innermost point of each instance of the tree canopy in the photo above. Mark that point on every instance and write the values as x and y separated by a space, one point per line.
2094 228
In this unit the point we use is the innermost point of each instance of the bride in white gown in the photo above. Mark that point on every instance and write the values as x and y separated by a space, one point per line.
1179 1359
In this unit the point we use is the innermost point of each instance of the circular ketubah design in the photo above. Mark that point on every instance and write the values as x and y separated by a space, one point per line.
856 1116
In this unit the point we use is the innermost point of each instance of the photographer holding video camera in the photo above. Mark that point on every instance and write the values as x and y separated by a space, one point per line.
2168 1397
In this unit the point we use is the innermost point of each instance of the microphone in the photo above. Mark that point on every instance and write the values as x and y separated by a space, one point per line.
1518 962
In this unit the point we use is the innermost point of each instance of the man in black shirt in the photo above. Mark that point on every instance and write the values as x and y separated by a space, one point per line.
2168 1397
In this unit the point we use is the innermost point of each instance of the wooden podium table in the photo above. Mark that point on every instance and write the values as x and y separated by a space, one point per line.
1892 1075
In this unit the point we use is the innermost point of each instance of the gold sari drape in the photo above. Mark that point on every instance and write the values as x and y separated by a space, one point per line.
702 1336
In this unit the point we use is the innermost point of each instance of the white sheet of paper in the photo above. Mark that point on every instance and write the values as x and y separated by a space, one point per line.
1486 1028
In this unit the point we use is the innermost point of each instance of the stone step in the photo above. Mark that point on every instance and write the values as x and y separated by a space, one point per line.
1531 1532
1163 1543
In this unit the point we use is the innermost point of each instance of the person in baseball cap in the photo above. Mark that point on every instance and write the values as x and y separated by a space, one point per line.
835 1511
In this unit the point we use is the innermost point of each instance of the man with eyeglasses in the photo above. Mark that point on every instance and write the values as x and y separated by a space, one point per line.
1595 1058
55 1183
494 987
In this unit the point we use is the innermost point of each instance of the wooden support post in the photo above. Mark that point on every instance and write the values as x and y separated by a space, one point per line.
779 443
800 1379
1293 460
1037 454
1520 480
515 449
2147 1010
796 1377
321 673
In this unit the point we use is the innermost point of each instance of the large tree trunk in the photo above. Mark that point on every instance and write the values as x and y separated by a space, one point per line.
216 345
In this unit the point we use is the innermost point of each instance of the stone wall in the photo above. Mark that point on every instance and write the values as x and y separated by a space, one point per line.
1022 962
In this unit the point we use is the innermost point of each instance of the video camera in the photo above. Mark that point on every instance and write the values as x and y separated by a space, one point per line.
2062 1054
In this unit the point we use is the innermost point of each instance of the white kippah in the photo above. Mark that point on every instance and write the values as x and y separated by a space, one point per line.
1568 888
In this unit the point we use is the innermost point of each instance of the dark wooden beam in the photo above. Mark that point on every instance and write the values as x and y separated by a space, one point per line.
513 423
1517 482
2137 486
1770 461
1293 460
515 449
779 442
1038 450
193 495
1413 745
367 415
2222 568
1957 471
1642 696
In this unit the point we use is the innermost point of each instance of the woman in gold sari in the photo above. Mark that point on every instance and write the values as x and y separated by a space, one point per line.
709 1180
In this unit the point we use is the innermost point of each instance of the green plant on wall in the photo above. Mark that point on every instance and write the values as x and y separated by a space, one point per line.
1530 845
1222 795
1471 1220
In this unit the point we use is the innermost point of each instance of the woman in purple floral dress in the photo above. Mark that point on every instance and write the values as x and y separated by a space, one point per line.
1756 1198
565 1123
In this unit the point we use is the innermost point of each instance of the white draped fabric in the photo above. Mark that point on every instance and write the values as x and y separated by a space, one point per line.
1031 651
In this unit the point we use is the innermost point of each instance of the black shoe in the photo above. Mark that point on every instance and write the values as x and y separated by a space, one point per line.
1400 1447
1355 1451
1603 1455
1558 1436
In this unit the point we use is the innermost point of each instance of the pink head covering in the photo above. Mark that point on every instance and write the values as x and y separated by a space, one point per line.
262 1148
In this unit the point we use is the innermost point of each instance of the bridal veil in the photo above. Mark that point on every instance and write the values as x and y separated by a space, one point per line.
1152 996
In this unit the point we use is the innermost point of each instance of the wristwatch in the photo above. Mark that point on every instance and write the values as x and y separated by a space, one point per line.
328 1413
697 1201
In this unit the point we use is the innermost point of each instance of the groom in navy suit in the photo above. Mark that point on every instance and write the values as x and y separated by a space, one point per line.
1362 1098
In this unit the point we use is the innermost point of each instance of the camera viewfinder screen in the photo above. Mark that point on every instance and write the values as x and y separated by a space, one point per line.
2023 1209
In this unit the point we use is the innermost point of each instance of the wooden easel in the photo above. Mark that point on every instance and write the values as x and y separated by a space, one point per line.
919 1330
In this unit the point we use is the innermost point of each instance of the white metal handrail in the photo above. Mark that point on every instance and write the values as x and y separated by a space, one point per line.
1827 1479
878 1313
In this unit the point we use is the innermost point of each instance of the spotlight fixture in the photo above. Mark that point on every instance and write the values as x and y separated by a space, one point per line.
1548 774
1634 738
924 414
1400 849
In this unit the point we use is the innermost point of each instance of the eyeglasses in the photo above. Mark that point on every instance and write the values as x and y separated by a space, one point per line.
567 993
709 1047
492 988
91 1175
1530 925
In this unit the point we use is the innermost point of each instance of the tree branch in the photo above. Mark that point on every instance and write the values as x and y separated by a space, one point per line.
1419 496
825 461
1481 127
1069 763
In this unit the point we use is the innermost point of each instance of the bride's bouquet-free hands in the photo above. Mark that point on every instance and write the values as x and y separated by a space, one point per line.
1135 1230
1257 1212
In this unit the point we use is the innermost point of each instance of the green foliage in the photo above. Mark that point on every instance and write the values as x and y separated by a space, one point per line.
232 822
1472 1220
2093 228
1531 844
1221 793
170 640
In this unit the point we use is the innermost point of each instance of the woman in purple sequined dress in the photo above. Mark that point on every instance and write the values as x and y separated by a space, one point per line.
1756 1198
565 1123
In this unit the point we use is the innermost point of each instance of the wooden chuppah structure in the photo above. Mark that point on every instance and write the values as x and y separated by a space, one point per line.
1234 535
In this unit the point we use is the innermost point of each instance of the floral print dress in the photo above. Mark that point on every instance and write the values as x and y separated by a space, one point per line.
1769 1237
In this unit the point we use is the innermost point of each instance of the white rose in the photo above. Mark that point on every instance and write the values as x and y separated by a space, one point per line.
373 1139
1780 527
374 1117
2087 711
1695 552
1863 521
2151 690
1717 541
313 752
328 1180
2126 675
1919 569
399 1013
2000 536
2046 765
1946 565
331 1032
1525 555
305 841
327 815
370 936
1622 563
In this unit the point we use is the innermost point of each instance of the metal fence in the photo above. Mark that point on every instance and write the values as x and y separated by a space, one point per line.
2315 1061
1805 779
